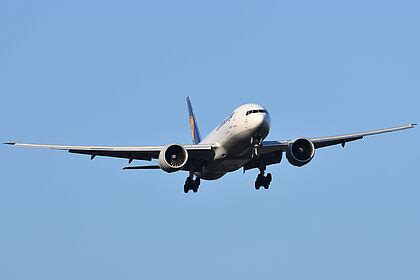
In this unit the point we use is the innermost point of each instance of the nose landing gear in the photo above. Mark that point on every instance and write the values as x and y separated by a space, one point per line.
256 143
191 184
263 181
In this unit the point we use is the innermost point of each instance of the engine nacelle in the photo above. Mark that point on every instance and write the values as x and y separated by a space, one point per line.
173 158
300 152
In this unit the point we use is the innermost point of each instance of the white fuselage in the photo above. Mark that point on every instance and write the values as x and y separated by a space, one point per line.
234 138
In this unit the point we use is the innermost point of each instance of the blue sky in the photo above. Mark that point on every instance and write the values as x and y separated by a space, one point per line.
117 73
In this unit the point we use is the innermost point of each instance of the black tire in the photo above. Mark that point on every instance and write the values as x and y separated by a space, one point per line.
195 184
269 178
188 185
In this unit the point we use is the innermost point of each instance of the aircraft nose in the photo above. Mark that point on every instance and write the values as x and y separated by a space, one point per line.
261 122
266 122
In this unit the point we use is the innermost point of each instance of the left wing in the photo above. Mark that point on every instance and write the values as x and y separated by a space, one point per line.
343 139
321 142
199 152
270 150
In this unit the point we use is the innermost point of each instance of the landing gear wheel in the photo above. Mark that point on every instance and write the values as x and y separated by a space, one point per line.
191 184
267 181
187 185
263 181
259 181
196 184
269 178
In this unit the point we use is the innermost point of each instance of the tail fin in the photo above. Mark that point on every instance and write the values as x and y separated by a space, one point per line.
195 132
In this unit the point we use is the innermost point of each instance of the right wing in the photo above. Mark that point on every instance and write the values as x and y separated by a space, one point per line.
196 152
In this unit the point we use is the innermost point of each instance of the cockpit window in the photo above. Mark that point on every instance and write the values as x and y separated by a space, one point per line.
256 111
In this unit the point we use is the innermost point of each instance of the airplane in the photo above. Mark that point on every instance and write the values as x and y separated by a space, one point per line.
237 142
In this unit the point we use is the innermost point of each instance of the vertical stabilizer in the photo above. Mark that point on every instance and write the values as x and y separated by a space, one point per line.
195 132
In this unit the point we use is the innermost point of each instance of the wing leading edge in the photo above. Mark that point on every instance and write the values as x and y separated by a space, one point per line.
199 152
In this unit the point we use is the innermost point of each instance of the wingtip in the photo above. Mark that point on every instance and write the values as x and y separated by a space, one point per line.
413 124
10 143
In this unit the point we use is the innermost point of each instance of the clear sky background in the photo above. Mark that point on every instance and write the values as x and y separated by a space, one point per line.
101 73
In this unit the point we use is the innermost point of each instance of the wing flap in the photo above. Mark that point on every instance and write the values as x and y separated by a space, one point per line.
118 154
147 167
332 142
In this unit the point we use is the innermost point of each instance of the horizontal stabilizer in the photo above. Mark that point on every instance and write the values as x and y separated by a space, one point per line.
146 167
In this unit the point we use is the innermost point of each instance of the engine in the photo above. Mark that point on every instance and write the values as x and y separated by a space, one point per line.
173 158
300 152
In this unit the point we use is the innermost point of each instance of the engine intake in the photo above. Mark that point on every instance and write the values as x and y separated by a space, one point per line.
173 158
300 152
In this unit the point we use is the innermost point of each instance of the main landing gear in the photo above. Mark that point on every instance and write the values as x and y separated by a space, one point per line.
263 181
191 184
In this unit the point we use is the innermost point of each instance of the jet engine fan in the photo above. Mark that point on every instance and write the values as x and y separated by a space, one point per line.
173 158
300 152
